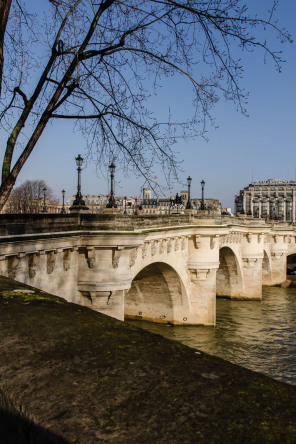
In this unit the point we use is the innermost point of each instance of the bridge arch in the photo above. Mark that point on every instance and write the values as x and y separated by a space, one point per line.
291 264
229 280
157 294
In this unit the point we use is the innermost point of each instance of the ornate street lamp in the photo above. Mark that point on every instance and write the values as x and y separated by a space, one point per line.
44 210
125 198
202 205
63 207
112 203
78 200
136 206
188 205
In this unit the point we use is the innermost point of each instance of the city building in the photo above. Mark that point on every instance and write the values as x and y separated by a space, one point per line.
175 204
271 199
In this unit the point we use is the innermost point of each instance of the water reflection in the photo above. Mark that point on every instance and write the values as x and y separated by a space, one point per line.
257 335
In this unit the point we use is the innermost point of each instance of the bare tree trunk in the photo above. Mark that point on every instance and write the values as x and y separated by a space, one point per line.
5 190
4 13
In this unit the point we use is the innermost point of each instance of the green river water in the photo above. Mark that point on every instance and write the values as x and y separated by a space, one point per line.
259 335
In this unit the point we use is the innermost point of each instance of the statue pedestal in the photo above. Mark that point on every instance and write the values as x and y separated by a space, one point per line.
76 209
111 211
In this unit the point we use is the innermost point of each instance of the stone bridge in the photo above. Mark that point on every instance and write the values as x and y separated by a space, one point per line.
163 269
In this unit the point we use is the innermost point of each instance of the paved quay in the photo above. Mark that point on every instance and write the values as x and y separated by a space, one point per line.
72 375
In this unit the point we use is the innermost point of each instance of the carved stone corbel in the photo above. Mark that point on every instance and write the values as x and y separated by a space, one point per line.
183 242
277 256
249 237
133 256
51 258
177 243
154 248
67 259
91 256
198 274
260 237
32 262
213 241
249 262
115 257
222 240
144 250
12 266
169 245
197 241
289 239
161 246
97 298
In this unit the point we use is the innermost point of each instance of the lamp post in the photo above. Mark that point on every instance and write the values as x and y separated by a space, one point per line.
111 203
44 200
202 205
188 205
136 206
78 200
125 198
63 207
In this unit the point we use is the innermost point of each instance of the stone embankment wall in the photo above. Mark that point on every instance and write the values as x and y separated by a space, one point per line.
69 374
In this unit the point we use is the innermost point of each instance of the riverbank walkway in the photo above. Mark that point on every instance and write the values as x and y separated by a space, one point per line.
71 375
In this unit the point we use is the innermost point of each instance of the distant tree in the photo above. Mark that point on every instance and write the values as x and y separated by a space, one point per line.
89 61
29 197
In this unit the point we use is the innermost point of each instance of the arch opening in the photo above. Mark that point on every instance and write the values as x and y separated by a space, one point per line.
229 279
291 266
156 295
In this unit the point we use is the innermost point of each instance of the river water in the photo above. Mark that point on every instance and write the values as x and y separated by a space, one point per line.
259 335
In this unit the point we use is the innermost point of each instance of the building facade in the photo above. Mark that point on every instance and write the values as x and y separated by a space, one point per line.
272 199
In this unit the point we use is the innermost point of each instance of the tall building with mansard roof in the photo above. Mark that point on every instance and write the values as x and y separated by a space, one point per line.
271 199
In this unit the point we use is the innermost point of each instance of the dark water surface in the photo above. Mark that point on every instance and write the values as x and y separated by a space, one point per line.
259 335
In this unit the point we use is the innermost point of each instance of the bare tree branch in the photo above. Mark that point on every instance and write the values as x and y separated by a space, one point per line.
99 61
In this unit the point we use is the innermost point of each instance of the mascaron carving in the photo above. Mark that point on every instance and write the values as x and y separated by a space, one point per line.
116 257
154 248
32 262
50 262
91 256
133 256
177 243
183 243
13 266
144 250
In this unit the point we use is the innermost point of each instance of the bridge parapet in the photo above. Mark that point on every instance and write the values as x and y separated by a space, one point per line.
14 224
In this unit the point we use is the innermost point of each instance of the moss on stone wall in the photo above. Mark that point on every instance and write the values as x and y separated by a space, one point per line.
75 375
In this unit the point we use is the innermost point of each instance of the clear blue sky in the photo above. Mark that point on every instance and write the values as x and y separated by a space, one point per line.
263 143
